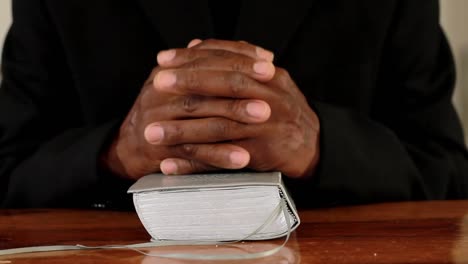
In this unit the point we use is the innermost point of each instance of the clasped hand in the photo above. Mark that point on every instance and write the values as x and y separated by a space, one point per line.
216 105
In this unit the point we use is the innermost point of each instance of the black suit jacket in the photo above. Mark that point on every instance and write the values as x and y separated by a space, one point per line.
379 74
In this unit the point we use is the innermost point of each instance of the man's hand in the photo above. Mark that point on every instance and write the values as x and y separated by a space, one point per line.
287 141
193 128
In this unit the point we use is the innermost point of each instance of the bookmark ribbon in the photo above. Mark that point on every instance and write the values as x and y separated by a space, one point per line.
281 208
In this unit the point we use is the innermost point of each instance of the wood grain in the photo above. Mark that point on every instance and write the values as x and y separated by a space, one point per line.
414 232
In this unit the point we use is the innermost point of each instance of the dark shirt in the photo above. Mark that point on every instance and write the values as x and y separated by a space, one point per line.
224 17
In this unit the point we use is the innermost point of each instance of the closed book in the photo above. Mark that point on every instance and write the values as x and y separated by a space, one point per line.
215 207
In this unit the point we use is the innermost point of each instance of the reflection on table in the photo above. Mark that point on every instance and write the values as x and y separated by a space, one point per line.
415 232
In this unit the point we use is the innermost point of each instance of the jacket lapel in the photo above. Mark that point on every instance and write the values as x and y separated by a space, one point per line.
179 21
273 28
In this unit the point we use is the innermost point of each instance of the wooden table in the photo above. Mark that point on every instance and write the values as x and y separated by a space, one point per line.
425 232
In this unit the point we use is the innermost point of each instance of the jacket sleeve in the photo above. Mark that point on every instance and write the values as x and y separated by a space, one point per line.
411 146
48 157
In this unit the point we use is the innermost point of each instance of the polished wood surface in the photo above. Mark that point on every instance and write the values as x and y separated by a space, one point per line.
416 232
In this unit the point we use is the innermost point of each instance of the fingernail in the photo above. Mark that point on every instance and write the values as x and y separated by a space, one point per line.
169 167
165 79
166 56
265 54
257 109
263 67
238 158
194 42
154 134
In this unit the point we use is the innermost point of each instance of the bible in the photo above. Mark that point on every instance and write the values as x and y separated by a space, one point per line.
215 207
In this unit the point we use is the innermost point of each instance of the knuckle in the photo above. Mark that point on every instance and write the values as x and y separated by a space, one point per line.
235 108
193 166
222 127
196 166
175 134
283 75
282 72
192 82
190 54
134 117
221 53
288 104
193 65
188 150
293 135
236 67
240 65
191 103
238 83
